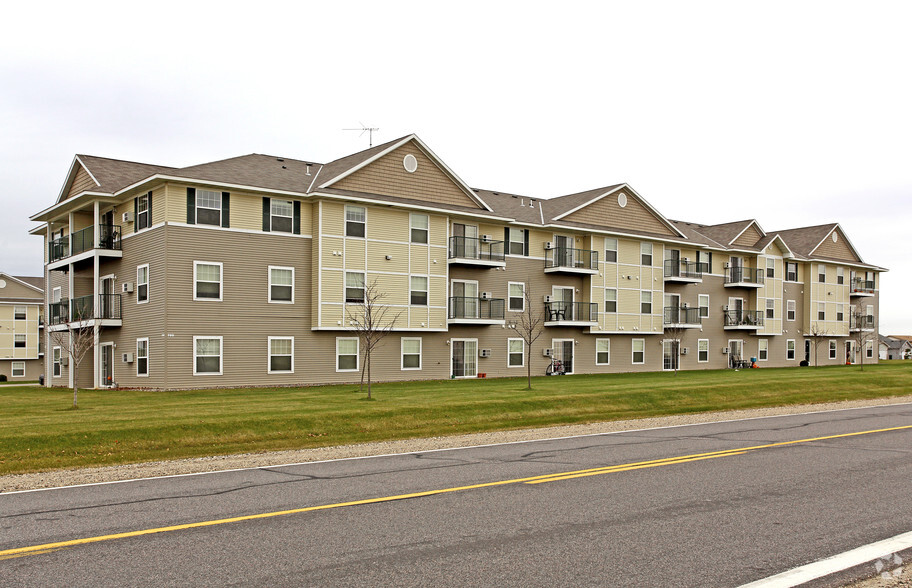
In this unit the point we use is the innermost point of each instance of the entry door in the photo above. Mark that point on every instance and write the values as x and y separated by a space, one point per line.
735 311
564 254
671 354
737 271
562 307
467 243
465 299
672 308
106 304
735 351
563 352
850 351
464 354
673 262
807 350
107 364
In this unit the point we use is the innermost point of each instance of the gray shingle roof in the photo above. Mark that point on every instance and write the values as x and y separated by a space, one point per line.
805 239
255 170
116 174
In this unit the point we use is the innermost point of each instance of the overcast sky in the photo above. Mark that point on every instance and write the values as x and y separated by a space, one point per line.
793 113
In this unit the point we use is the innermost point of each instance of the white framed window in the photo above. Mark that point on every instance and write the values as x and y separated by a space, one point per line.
518 240
19 341
646 302
638 351
411 353
517 295
347 353
18 369
355 221
611 300
281 284
281 355
702 350
611 249
840 275
603 352
143 221
55 367
281 215
770 267
516 353
791 271
703 303
821 311
704 261
763 350
840 312
790 349
790 310
832 349
207 356
770 308
142 283
419 227
142 357
418 290
869 349
821 273
207 280
20 313
645 253
208 207
354 287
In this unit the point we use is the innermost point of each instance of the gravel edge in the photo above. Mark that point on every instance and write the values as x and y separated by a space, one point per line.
32 481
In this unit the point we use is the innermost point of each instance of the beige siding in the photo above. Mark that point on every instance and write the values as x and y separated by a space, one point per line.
838 250
749 237
636 216
82 182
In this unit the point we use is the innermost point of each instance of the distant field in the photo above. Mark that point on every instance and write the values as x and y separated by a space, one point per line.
38 431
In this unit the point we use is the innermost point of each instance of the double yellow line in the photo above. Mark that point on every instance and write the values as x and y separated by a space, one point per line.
48 547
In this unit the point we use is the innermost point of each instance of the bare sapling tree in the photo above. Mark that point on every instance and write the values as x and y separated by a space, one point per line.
863 325
529 325
372 321
817 336
74 344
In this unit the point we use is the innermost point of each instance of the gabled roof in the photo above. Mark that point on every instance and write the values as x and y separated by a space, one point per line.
30 282
805 239
110 175
768 239
254 170
563 206
726 233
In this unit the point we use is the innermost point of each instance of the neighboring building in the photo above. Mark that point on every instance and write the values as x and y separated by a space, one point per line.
895 347
245 272
21 327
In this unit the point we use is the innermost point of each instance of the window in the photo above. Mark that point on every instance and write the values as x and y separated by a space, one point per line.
281 355
144 212
55 294
821 273
418 290
763 349
19 313
703 301
840 275
770 267
611 250
832 349
419 227
281 216
645 302
207 356
821 311
703 350
346 354
207 277
208 208
517 295
142 284
645 253
354 287
840 312
411 353
603 352
705 259
142 357
281 284
770 308
790 349
791 271
516 353
56 362
638 351
517 241
869 350
789 310
355 221
18 369
18 341
611 300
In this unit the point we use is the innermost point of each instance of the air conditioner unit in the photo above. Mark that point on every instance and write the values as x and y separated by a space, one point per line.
547 352
128 358
486 296
725 350
64 360
484 353
127 287
549 298
549 245
127 217
487 238
683 350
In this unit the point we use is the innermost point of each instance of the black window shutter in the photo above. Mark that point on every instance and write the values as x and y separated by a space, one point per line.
507 240
191 206
266 212
296 222
226 210
525 241
148 208
135 213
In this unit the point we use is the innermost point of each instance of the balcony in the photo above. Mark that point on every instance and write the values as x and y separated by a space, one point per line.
743 277
688 272
476 311
682 317
749 320
80 312
571 314
477 252
81 245
567 260
862 287
861 323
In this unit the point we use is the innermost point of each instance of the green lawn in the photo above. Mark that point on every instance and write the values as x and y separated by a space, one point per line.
39 431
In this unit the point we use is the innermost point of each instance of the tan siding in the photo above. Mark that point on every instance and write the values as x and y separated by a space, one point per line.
749 237
81 183
838 250
634 217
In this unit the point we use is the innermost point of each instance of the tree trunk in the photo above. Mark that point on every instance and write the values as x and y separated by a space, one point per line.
368 374
75 386
529 367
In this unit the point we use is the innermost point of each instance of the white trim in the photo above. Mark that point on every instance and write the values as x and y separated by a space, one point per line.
357 354
402 341
794 350
467 340
100 364
427 290
136 359
221 355
698 351
523 297
269 341
148 285
749 225
26 284
522 352
310 187
429 207
632 351
13 368
56 362
794 311
269 282
221 280
608 339
844 236
641 200
345 221
759 349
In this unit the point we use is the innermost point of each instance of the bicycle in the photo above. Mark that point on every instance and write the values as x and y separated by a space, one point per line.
555 368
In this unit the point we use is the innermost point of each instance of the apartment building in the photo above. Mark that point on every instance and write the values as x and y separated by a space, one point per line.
21 327
253 271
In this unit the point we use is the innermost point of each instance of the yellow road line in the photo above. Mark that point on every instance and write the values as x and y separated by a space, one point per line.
44 548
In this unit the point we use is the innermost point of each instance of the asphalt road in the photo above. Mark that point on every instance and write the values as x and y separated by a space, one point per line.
692 507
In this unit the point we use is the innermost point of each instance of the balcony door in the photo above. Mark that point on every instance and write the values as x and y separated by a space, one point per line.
672 308
563 256
673 263
467 241
562 305
737 269
563 352
106 304
465 299
735 311
463 359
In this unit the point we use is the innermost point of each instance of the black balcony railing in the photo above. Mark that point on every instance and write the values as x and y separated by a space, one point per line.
682 315
743 318
863 286
861 322
462 307
83 309
58 249
743 275
584 312
84 240
58 312
690 270
571 258
475 249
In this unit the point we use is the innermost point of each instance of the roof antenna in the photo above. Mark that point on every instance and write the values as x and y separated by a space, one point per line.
368 130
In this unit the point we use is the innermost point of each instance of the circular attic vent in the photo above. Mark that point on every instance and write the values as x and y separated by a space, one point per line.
2 283
622 200
410 163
